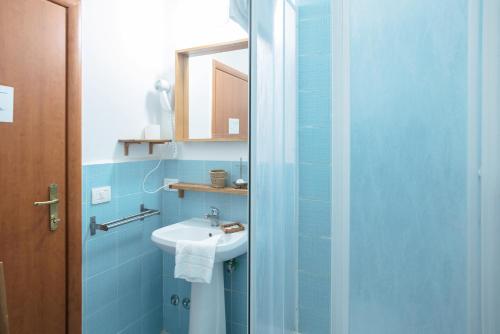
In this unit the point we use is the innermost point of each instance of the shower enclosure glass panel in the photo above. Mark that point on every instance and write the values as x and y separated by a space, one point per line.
417 111
273 206
415 166
408 220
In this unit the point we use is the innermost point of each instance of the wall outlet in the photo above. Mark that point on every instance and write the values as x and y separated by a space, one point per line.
234 126
168 182
101 195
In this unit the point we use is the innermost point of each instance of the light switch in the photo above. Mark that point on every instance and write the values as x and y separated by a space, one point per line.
6 104
234 126
101 195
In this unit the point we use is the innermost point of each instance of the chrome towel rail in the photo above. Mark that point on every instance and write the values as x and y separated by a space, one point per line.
145 213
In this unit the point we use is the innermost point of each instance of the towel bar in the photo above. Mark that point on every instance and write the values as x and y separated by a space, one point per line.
145 213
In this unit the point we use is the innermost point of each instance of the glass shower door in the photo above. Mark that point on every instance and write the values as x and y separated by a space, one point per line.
424 168
415 166
273 186
408 227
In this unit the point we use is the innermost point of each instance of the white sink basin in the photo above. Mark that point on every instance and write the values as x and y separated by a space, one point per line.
207 314
230 245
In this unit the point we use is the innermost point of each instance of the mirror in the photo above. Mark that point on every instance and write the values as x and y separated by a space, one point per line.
211 93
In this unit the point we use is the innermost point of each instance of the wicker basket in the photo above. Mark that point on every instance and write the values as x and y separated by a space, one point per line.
218 178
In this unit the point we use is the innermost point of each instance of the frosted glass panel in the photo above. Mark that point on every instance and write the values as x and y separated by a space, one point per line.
408 228
273 244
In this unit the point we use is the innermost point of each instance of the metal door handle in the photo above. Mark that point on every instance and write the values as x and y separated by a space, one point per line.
54 201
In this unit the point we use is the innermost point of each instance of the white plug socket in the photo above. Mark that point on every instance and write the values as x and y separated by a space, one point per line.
168 182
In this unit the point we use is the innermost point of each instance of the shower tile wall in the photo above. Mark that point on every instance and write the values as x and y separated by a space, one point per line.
234 208
314 165
121 268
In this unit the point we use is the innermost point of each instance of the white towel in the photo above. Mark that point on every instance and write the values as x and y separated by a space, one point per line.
194 260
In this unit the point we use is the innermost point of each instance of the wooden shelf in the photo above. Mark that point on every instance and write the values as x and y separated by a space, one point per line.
199 187
151 142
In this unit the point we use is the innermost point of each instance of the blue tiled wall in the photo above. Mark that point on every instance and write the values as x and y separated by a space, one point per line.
125 277
122 269
314 131
175 209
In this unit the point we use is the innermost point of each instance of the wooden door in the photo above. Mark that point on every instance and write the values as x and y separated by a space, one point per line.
34 153
229 101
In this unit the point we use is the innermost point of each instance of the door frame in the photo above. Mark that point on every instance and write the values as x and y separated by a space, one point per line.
73 167
490 161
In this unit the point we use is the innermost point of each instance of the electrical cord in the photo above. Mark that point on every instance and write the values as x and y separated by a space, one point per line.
146 178
172 144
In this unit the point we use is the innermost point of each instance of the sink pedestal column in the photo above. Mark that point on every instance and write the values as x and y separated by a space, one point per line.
208 311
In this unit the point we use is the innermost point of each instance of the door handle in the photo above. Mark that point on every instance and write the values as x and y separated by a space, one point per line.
53 204
54 201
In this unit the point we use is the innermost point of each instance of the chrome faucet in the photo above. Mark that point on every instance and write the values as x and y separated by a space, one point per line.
213 216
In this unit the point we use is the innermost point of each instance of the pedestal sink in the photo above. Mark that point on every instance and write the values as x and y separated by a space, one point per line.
207 315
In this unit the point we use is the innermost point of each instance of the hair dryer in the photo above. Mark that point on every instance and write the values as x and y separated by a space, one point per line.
163 87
